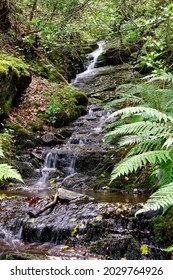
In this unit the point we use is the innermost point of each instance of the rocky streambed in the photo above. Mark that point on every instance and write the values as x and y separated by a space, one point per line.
74 158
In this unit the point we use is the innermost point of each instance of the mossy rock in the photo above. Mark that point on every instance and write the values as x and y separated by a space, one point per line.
117 53
26 169
117 246
24 138
72 104
162 229
14 79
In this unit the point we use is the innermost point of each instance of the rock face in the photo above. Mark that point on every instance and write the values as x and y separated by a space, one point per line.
115 53
14 79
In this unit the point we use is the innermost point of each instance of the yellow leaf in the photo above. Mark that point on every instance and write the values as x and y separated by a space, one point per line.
144 249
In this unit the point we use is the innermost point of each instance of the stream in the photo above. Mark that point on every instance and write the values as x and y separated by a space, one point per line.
74 165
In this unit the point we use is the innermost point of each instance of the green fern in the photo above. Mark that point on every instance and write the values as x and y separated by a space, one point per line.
144 146
169 142
132 164
1 150
144 127
8 172
163 198
149 113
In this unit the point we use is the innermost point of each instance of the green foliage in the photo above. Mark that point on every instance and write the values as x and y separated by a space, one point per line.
2 196
54 105
145 112
156 92
169 249
162 198
7 171
148 133
131 164
9 62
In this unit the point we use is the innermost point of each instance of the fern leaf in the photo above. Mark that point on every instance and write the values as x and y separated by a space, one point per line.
131 164
1 150
144 146
134 99
168 142
131 140
7 172
149 112
166 171
144 127
161 198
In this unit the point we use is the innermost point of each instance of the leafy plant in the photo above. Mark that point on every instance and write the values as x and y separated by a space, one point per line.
7 171
158 96
151 142
163 197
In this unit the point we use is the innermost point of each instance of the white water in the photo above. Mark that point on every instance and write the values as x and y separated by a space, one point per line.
94 55
51 158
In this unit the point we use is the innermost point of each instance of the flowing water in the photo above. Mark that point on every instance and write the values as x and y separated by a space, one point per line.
66 163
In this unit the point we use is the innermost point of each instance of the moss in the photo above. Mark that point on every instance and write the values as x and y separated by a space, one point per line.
116 246
13 63
66 105
24 138
5 140
162 229
7 105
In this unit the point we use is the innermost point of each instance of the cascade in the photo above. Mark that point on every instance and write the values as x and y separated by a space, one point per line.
82 153
92 57
76 141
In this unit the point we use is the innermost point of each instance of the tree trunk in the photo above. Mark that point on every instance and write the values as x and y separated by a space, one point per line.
34 6
4 15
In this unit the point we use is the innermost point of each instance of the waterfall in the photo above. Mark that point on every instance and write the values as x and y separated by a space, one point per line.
93 56
66 156
49 167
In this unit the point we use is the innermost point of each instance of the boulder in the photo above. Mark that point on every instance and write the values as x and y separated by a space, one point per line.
51 139
116 53
14 79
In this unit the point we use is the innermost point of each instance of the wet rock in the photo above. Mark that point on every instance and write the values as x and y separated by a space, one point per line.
76 181
117 246
26 169
109 229
101 82
116 53
52 139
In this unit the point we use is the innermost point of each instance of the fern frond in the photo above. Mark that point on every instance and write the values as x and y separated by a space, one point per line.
131 164
168 142
134 99
166 172
149 113
131 140
161 198
7 172
144 127
144 146
1 150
